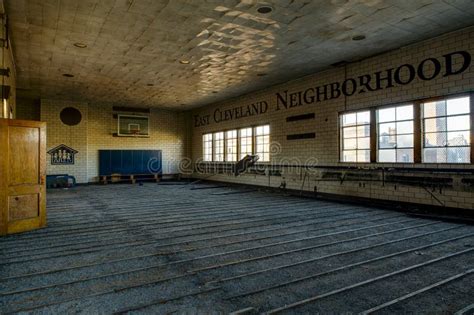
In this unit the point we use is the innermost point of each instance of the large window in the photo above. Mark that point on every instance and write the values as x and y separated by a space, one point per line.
219 146
246 143
262 143
395 134
355 134
207 147
231 145
446 131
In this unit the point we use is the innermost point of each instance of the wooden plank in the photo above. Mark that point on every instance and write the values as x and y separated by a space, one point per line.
3 176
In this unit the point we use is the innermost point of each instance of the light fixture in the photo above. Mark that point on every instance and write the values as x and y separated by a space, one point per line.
80 45
358 37
68 75
264 9
184 62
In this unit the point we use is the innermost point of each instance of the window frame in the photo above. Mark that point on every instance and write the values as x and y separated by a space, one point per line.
226 146
204 142
378 135
470 130
418 130
252 144
214 147
341 135
238 129
256 142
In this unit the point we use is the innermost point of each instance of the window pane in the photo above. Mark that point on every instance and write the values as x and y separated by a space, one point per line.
363 131
405 112
437 139
405 141
387 129
459 155
246 132
350 144
350 132
363 117
349 156
435 124
232 134
434 155
405 127
458 123
457 106
363 143
387 156
458 138
434 109
387 142
363 156
262 141
349 119
387 114
405 156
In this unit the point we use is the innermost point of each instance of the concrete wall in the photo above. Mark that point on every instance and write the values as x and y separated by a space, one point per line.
28 108
95 132
324 149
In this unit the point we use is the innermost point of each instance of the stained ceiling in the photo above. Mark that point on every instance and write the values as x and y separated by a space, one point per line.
182 54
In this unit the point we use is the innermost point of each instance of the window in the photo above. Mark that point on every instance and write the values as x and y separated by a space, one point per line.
245 136
219 146
207 147
262 143
446 131
355 134
231 146
395 134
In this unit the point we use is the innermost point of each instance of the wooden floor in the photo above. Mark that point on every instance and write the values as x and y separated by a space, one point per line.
201 249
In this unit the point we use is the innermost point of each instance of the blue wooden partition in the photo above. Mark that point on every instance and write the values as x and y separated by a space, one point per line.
128 162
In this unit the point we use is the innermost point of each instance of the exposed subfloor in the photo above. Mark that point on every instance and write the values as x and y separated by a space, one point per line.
185 249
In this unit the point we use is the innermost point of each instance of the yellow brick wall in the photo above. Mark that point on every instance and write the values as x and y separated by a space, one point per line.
324 149
95 132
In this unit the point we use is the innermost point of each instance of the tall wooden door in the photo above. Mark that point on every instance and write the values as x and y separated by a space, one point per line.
22 175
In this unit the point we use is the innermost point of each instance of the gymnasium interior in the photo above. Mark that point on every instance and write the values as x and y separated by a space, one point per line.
237 157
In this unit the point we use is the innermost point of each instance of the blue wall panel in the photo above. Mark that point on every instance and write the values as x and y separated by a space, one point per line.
128 162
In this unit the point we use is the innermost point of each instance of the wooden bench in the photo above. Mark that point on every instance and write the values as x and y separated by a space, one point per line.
131 178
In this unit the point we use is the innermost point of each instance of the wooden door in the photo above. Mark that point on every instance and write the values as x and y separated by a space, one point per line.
22 175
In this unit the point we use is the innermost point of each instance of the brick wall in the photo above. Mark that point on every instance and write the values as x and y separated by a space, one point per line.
95 132
74 137
325 147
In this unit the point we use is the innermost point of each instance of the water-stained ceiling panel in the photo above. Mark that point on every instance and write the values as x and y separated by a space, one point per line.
182 54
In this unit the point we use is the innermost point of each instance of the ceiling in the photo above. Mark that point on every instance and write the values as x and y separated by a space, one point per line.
135 47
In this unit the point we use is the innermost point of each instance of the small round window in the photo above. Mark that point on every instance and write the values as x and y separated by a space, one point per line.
70 116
